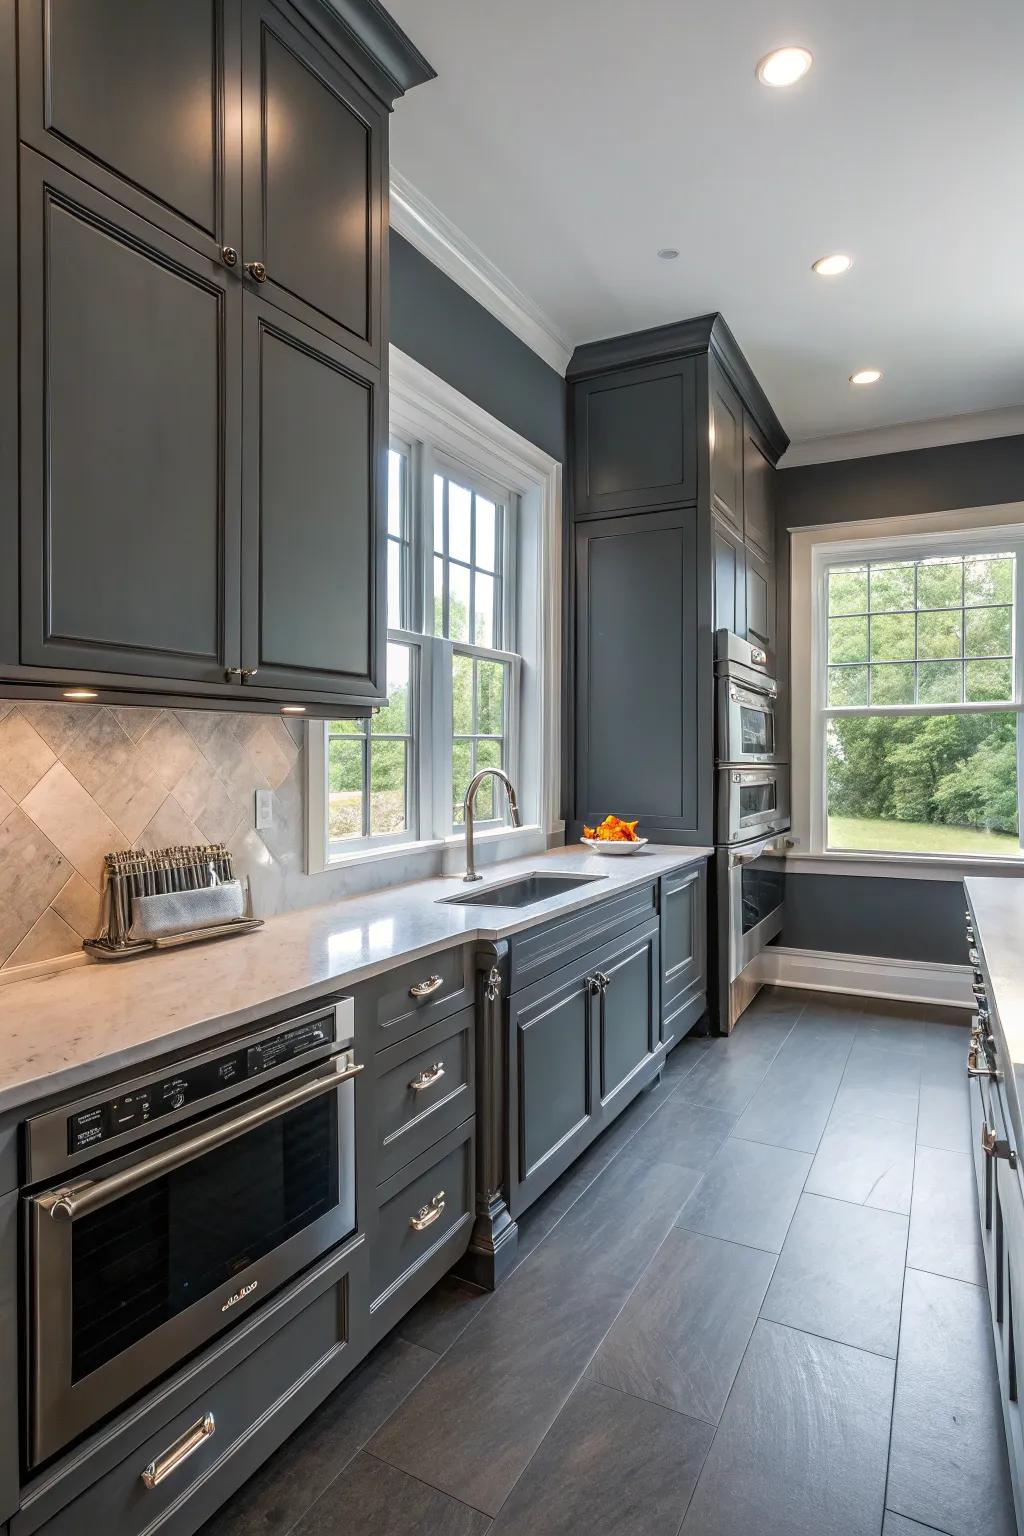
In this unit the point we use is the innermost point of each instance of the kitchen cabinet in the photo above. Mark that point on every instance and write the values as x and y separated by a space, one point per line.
634 439
629 1011
203 349
684 971
759 574
758 490
725 438
730 578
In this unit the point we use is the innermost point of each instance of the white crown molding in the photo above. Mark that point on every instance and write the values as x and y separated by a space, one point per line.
978 425
423 224
909 981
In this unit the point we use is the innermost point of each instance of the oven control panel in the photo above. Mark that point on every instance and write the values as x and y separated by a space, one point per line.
195 1081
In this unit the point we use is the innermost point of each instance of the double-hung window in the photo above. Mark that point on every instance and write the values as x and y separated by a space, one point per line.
916 720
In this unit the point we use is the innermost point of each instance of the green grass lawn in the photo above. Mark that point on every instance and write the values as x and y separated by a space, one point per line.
855 832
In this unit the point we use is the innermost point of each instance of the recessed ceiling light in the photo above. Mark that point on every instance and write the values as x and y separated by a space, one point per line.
784 66
831 266
668 253
866 376
79 693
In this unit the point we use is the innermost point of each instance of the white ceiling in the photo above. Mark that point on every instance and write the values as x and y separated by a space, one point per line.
569 139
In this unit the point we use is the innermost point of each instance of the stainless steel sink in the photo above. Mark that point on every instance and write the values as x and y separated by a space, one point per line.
522 892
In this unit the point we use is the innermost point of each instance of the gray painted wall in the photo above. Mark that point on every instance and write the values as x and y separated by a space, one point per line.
437 323
901 919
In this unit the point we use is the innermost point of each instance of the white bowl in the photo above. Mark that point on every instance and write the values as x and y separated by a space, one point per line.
601 845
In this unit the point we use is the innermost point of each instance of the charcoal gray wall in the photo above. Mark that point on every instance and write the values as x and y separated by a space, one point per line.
900 919
436 322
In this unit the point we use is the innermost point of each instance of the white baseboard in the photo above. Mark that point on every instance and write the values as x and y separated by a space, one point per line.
910 981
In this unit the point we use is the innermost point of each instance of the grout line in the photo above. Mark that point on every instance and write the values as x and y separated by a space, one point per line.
637 1397
423 1483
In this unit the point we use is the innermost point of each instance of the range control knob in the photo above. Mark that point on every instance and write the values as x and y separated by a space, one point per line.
178 1101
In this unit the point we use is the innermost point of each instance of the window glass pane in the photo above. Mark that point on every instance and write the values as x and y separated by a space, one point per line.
393 719
483 609
848 640
490 798
939 634
486 533
940 682
490 708
988 580
847 685
460 522
989 632
940 583
989 682
439 514
438 596
892 637
345 758
388 797
462 772
462 695
458 602
396 618
923 784
848 590
396 491
892 586
892 684
348 727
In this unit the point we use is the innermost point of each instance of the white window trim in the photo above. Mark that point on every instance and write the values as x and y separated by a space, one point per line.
810 550
424 408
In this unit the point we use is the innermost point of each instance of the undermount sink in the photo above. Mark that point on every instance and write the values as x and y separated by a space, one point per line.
523 892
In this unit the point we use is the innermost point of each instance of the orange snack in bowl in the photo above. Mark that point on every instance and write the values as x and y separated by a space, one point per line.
613 830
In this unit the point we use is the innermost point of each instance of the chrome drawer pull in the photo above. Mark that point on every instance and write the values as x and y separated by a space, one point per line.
428 1214
428 1078
426 988
162 1466
973 1069
994 1146
973 956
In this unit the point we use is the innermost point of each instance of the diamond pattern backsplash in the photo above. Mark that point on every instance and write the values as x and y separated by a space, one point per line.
79 780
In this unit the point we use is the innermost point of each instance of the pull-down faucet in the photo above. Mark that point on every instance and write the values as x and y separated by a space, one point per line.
513 806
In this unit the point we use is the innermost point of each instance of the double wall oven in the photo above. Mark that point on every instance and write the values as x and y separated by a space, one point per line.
751 813
163 1210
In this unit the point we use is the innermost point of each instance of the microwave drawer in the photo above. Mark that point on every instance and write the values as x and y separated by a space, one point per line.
422 1089
424 1220
395 1005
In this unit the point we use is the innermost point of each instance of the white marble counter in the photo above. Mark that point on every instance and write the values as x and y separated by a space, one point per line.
61 1030
998 907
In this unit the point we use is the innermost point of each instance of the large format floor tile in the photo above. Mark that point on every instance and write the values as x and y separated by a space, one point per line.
944 1232
948 1464
899 1525
944 1120
610 1466
802 1444
748 1195
840 1274
373 1499
865 1159
730 1071
682 1132
792 1105
680 1338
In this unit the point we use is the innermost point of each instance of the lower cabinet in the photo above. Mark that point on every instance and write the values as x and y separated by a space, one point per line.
684 972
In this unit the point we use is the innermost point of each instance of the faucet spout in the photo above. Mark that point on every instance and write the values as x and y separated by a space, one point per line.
468 808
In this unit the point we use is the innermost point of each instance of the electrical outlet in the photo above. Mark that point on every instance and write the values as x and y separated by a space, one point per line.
264 809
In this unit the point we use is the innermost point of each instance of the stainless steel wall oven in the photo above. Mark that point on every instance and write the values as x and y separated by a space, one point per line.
161 1211
746 699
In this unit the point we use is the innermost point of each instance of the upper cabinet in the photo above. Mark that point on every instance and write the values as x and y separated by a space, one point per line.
203 347
725 445
758 490
634 440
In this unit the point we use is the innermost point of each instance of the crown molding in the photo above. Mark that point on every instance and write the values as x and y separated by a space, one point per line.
974 427
422 223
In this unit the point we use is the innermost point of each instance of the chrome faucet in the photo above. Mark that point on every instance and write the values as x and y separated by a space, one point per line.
513 806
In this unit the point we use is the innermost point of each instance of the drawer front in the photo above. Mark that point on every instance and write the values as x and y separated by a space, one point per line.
422 1089
393 1006
683 950
541 951
204 1452
419 1210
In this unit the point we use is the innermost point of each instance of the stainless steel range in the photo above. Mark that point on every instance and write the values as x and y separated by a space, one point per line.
751 811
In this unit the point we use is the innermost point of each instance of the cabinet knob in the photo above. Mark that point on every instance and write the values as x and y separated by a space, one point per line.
229 256
257 271
249 671
232 672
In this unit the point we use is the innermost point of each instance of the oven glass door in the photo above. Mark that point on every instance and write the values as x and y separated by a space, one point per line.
746 723
762 891
757 801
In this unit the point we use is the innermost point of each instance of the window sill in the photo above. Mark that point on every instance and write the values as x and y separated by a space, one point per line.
378 855
899 866
492 838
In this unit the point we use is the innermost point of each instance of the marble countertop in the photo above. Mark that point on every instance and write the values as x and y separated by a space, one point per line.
998 907
61 1030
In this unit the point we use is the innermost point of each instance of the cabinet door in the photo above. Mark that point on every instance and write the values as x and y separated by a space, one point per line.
553 1110
315 152
635 439
629 1010
143 100
726 449
683 951
130 440
730 579
642 657
760 585
313 511
758 491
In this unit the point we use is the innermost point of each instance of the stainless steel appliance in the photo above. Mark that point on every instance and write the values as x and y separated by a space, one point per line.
751 811
162 1210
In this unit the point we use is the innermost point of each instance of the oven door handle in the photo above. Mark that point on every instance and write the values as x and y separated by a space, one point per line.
80 1199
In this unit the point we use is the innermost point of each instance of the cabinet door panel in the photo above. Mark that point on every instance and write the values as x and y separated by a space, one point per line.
726 449
638 645
143 100
730 579
683 951
634 439
314 155
760 586
313 511
758 491
130 445
629 1009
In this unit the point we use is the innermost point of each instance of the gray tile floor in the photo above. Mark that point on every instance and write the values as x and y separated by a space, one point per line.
751 1309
